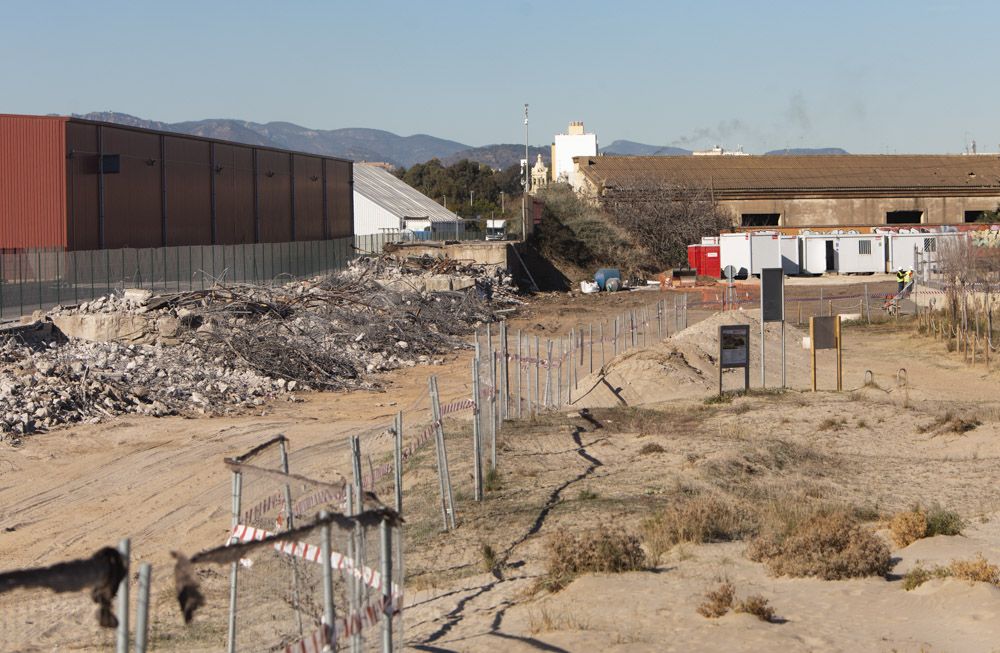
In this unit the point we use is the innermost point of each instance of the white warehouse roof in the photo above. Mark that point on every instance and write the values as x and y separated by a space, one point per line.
398 197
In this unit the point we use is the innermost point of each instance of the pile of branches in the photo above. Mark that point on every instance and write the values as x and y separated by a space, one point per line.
331 333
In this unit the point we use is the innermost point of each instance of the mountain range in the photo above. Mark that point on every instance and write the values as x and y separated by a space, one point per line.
631 148
362 144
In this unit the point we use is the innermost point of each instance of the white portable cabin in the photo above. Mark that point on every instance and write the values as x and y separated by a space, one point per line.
859 253
709 240
734 250
789 254
903 248
817 254
765 251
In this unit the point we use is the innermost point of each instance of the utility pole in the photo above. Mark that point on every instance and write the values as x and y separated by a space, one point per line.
524 180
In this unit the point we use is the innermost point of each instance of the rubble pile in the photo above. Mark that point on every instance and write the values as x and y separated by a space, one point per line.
428 274
237 346
80 381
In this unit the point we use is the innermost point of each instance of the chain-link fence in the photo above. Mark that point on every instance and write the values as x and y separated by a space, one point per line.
40 279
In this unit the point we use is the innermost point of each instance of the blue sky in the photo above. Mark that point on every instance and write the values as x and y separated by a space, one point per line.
872 76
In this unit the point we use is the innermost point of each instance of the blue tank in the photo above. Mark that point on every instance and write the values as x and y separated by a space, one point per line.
604 274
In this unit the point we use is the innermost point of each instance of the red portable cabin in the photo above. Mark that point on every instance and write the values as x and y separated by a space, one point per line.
709 262
694 256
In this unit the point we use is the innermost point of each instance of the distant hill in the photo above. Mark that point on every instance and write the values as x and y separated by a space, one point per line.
631 148
500 156
359 144
806 151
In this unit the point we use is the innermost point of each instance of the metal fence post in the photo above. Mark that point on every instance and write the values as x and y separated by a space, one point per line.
519 373
121 635
477 454
601 329
398 461
289 525
493 410
547 396
559 374
142 609
590 339
447 499
326 550
538 369
504 372
385 554
234 567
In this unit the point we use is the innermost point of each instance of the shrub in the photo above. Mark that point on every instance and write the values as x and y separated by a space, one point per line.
650 448
697 519
600 551
920 575
977 570
587 495
829 545
718 601
490 561
758 606
908 527
943 522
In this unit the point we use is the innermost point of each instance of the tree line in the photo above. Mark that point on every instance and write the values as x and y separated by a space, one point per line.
470 189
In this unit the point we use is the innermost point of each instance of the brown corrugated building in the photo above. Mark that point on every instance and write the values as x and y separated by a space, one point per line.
77 184
815 191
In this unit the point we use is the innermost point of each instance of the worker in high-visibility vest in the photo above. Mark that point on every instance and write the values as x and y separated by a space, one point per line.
900 280
909 279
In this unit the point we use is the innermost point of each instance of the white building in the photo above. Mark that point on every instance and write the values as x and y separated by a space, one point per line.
575 142
384 203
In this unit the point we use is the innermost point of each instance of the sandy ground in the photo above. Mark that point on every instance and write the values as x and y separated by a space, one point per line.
162 483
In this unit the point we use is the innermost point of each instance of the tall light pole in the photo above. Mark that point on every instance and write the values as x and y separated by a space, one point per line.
524 181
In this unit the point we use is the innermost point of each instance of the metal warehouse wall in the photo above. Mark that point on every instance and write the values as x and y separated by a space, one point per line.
167 189
340 197
32 182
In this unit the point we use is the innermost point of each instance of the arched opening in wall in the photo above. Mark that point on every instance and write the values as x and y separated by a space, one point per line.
904 217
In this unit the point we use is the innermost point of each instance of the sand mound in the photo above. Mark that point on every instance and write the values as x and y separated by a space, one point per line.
686 364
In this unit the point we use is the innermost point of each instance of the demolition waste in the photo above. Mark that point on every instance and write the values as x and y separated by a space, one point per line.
230 348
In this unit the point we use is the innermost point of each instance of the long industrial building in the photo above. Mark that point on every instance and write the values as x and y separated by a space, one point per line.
813 191
74 184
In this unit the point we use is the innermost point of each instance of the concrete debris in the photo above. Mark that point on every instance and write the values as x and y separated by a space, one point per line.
230 348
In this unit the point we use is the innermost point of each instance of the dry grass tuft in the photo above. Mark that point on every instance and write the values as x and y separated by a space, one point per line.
600 551
908 527
723 599
977 570
697 519
828 545
832 424
718 601
491 480
489 559
651 448
758 606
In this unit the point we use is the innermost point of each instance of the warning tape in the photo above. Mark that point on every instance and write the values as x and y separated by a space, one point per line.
347 626
313 553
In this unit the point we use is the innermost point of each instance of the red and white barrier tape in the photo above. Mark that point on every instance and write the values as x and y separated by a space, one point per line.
353 623
313 553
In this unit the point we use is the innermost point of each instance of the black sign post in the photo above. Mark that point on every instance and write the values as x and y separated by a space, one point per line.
824 333
734 351
772 309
